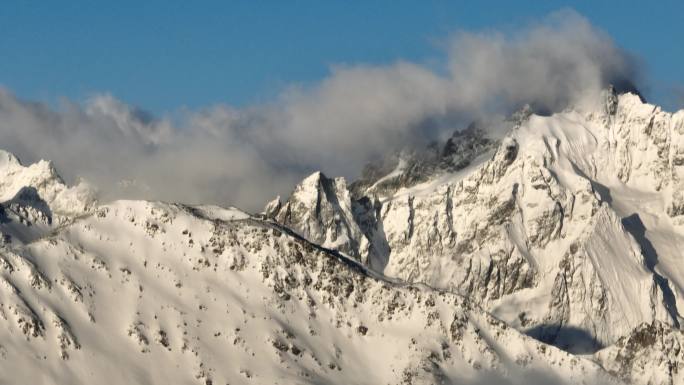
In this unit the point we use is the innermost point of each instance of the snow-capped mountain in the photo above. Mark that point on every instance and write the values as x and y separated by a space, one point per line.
549 255
35 199
568 231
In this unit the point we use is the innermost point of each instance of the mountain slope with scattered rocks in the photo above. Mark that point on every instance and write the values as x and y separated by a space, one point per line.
549 254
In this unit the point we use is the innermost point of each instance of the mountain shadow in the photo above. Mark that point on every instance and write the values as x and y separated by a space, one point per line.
568 338
26 201
635 226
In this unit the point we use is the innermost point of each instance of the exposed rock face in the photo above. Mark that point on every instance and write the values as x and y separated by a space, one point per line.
413 167
651 354
424 230
320 209
535 227
599 294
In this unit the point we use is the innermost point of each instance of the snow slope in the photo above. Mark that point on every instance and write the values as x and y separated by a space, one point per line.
143 292
550 256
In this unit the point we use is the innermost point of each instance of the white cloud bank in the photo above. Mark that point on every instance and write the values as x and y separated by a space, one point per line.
245 156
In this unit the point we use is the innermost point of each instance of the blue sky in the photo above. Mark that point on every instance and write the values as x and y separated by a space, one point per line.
166 55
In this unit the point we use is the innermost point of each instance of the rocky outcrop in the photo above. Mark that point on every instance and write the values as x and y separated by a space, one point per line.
602 288
412 167
320 209
653 353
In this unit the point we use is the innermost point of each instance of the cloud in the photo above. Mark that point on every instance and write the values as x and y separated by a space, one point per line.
562 60
245 156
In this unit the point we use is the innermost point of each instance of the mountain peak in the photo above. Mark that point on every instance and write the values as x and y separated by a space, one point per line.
36 196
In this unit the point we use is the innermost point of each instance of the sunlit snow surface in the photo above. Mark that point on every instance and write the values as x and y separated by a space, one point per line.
566 236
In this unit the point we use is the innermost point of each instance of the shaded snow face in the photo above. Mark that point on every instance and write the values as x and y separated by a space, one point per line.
243 156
